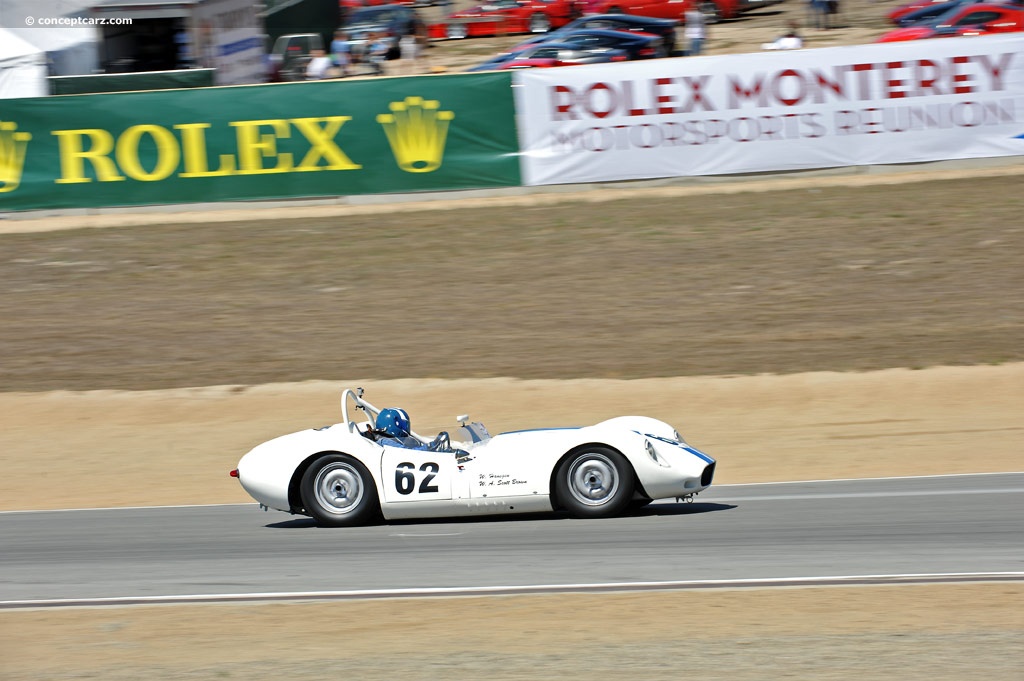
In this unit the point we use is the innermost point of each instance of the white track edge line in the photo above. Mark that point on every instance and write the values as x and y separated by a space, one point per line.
834 580
735 484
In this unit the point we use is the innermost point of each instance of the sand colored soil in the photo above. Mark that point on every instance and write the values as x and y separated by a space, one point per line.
910 633
761 428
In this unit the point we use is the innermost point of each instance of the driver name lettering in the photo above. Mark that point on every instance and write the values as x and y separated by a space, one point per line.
498 479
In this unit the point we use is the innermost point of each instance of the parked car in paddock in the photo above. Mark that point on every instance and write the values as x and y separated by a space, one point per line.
662 9
372 464
897 13
349 5
925 14
505 17
391 21
664 28
925 10
965 20
637 45
549 55
290 56
713 10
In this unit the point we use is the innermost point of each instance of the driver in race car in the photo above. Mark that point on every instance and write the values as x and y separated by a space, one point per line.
394 429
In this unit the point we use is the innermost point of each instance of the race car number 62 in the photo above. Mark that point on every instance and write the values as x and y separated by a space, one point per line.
405 477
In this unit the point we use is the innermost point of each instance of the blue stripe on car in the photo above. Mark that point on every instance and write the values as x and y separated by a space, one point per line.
699 454
696 452
538 430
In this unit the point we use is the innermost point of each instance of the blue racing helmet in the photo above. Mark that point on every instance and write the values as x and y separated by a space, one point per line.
394 422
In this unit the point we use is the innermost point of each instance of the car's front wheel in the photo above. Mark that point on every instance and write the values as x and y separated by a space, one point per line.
457 31
338 491
595 482
637 504
539 23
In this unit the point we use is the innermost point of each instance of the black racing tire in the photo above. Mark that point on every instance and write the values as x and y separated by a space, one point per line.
338 491
595 482
539 23
637 504
711 11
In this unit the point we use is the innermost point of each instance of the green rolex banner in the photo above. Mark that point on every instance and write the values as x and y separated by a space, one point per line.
325 138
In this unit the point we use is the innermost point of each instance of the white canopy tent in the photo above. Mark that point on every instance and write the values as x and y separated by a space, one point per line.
22 68
70 50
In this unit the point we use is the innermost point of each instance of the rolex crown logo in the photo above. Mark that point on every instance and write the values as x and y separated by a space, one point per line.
12 155
416 131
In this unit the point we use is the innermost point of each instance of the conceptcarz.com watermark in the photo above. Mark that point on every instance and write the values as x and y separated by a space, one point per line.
77 21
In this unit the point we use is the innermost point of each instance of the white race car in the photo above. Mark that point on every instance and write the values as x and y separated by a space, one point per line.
354 472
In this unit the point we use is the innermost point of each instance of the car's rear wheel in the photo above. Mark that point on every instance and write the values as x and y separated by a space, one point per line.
338 491
539 23
456 31
711 11
595 482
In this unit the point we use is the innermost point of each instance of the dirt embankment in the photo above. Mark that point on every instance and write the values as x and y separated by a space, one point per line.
910 633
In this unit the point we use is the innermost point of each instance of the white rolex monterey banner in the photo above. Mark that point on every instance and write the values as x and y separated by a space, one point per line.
923 100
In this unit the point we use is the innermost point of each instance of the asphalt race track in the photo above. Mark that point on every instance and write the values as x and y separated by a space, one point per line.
962 525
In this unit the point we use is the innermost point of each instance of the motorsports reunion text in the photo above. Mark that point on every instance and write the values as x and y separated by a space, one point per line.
909 102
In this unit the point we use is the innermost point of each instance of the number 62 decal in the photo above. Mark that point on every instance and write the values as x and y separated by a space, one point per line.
405 477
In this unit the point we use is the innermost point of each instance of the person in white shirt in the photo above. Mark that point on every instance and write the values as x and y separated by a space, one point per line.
317 67
695 31
790 40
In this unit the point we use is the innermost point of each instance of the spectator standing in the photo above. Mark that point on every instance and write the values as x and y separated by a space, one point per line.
790 40
341 52
831 13
413 46
377 52
695 31
812 13
407 49
422 44
819 13
317 67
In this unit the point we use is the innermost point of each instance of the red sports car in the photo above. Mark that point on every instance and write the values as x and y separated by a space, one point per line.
356 4
901 11
660 9
665 28
502 17
547 55
975 19
713 10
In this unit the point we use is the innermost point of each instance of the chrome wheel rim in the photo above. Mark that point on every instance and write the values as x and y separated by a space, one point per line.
338 488
593 479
